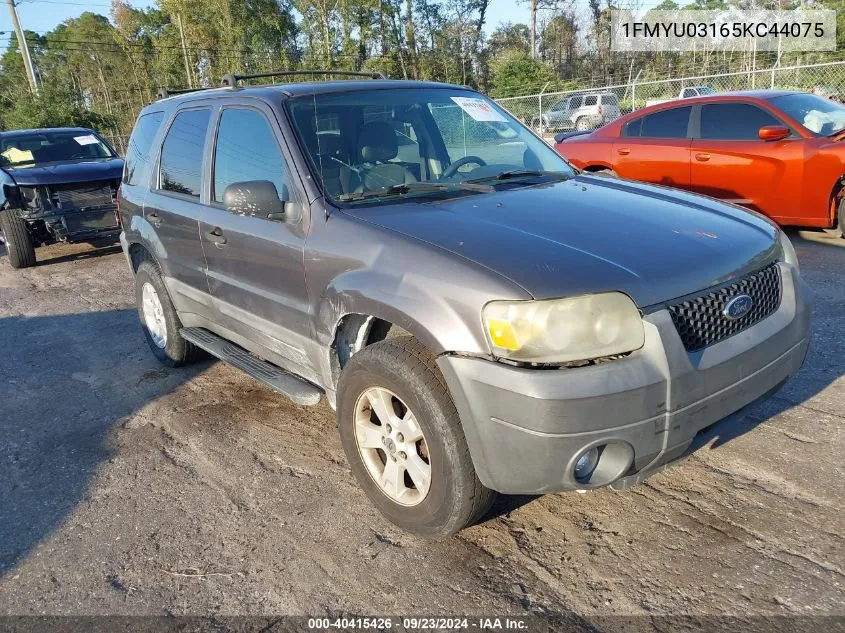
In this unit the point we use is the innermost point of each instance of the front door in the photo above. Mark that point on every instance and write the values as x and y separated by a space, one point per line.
730 162
255 263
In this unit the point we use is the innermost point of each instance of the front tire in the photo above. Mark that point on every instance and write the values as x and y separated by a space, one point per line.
159 320
18 243
404 442
838 229
840 217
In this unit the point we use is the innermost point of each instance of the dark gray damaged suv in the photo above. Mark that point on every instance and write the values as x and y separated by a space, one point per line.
482 316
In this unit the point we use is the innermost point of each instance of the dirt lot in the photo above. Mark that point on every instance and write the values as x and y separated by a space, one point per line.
128 488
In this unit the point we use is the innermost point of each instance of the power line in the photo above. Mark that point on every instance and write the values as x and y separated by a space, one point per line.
80 4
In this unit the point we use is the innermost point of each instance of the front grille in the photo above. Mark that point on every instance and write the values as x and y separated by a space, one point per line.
81 196
701 321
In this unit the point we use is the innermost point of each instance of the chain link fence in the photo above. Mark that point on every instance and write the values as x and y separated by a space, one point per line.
588 108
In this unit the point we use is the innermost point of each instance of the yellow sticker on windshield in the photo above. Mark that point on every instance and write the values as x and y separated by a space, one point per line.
15 155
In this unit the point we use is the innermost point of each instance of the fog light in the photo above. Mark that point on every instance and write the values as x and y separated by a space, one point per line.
586 464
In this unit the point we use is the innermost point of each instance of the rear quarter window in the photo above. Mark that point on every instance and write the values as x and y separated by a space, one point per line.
671 123
140 144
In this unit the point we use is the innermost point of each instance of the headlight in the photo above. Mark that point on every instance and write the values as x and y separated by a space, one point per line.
563 330
788 249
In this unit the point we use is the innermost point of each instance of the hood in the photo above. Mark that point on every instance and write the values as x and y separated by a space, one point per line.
592 234
67 172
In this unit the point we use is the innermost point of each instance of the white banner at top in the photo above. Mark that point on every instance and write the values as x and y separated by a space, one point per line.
730 30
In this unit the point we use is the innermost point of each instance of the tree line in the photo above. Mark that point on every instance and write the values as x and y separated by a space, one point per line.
99 70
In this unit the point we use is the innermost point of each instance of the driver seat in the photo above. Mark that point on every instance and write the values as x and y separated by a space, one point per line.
377 145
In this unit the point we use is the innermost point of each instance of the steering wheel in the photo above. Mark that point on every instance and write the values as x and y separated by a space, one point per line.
452 169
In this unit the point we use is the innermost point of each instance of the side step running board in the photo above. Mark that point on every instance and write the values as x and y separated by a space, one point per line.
297 389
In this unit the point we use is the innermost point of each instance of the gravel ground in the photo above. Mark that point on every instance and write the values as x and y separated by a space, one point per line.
128 488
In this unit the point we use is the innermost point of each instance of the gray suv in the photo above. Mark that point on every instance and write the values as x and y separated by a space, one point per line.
482 316
579 112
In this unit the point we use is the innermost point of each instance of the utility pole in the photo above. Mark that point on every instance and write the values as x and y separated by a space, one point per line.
184 51
27 60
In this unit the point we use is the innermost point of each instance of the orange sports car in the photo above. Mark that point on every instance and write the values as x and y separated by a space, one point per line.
781 153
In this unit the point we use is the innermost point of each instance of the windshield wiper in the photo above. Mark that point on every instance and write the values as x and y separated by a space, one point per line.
415 187
515 174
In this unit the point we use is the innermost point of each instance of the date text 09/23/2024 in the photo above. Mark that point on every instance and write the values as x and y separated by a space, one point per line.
420 623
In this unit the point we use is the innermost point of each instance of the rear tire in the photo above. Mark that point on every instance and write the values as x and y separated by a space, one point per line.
159 320
583 124
18 243
607 173
406 375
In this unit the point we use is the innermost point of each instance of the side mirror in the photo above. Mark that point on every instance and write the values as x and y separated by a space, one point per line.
773 132
258 198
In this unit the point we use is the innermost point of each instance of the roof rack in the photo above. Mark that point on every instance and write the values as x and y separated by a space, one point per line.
232 80
163 93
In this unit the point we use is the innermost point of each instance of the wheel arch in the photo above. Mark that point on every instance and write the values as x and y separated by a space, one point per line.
594 167
139 253
837 193
354 331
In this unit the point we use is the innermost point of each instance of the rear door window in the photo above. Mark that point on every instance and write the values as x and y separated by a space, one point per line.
670 123
734 121
140 144
182 153
591 100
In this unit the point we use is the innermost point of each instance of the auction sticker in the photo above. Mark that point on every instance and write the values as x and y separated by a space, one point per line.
478 109
88 139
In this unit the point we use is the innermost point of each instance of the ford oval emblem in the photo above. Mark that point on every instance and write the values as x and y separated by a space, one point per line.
738 307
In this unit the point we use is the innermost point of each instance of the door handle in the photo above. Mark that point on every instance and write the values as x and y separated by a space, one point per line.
623 151
215 236
702 157
154 218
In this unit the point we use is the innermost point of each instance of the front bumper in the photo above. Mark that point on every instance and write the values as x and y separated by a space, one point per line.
78 225
526 427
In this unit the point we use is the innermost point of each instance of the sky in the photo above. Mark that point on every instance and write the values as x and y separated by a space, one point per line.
44 15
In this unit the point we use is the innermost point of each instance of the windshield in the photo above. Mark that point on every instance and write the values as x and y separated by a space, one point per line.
405 141
815 113
50 147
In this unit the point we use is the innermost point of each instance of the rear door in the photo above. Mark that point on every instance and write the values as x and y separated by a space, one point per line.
138 166
655 148
173 209
730 162
610 107
256 270
567 117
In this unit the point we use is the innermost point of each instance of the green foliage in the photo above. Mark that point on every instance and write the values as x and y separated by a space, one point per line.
53 108
101 71
514 72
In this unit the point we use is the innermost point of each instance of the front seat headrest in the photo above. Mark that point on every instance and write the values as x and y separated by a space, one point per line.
377 142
